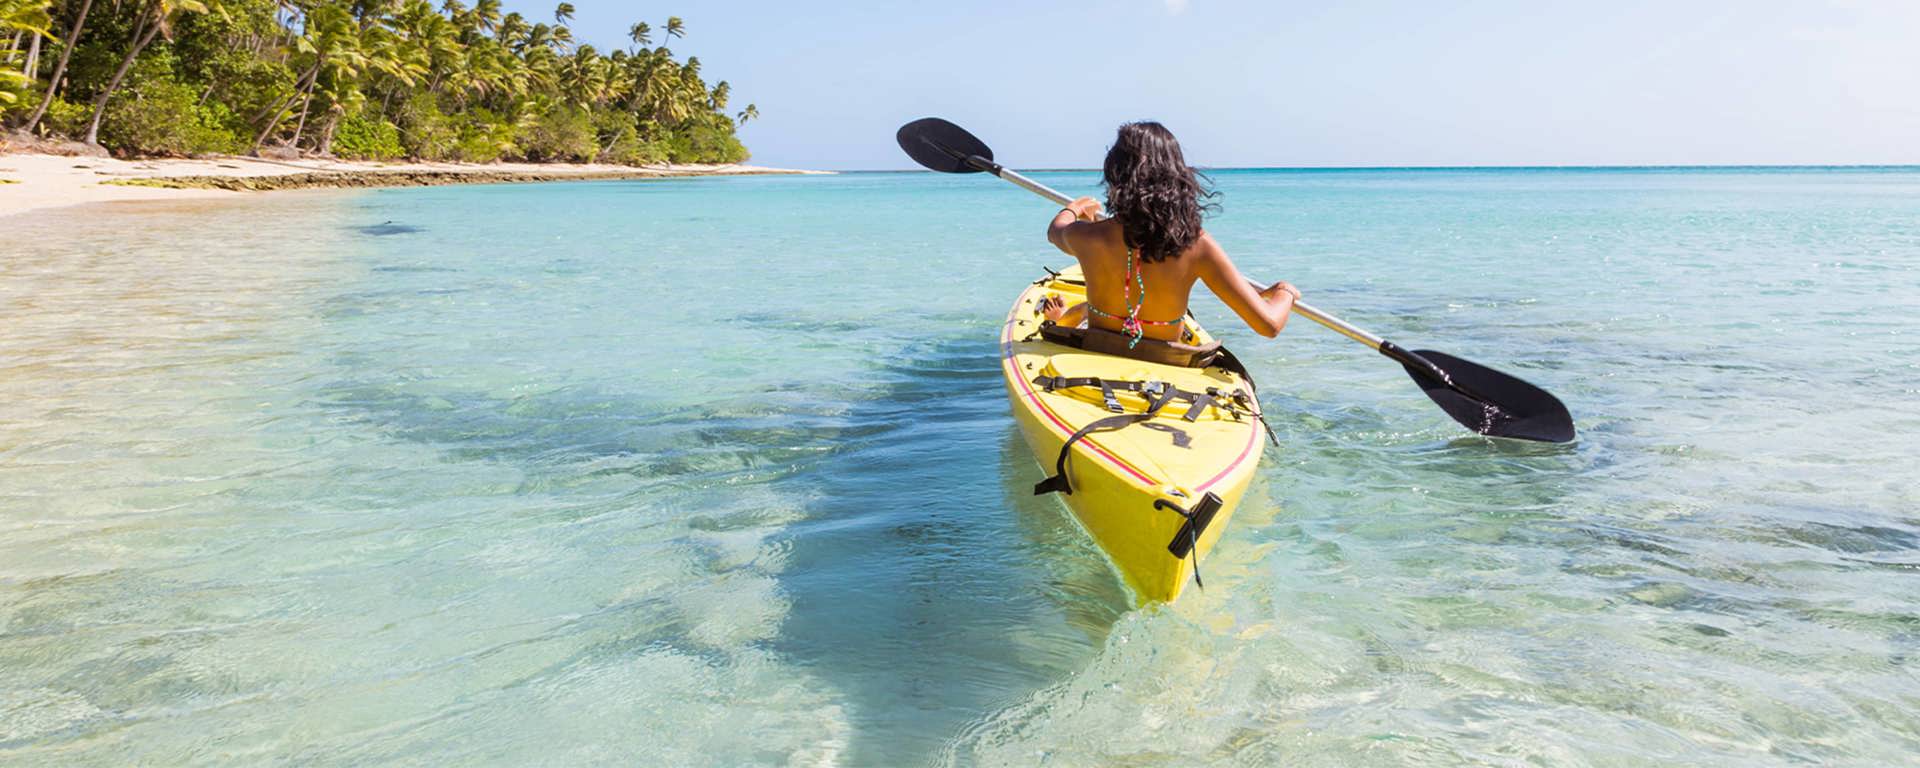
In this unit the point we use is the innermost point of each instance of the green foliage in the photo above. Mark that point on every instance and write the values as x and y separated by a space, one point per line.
155 114
559 134
622 142
434 81
706 142
63 118
18 20
485 138
12 84
234 75
367 138
425 132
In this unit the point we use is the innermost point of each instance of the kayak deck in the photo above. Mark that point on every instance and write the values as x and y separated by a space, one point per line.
1133 487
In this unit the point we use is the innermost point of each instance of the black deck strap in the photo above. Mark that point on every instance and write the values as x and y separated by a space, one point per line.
1186 541
1226 402
1058 483
1201 403
1160 399
1247 401
1227 361
1051 383
1250 399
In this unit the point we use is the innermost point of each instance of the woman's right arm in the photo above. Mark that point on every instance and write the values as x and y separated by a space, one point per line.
1061 228
1264 310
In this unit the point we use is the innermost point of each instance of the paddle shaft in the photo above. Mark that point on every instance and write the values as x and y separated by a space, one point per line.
1342 327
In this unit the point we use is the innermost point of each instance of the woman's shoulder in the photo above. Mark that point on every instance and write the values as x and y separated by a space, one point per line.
1107 233
1204 247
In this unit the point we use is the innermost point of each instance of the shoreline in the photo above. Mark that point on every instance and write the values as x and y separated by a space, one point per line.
37 181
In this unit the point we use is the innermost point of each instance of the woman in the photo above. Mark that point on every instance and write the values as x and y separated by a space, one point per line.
1141 263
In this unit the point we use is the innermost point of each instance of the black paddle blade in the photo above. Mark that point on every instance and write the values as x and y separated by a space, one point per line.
1511 407
941 146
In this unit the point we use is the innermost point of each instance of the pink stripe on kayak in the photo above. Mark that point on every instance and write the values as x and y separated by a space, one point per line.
1253 439
1006 347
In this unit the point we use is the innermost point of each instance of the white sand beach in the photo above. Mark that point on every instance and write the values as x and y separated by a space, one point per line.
30 181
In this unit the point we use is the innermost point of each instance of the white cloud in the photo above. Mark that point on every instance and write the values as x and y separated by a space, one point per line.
1176 7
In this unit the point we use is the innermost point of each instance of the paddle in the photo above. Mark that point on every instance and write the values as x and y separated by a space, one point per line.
1480 398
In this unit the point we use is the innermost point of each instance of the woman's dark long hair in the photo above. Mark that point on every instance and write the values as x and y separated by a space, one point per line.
1156 196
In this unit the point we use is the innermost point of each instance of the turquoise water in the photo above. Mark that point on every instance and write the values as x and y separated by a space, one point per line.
719 472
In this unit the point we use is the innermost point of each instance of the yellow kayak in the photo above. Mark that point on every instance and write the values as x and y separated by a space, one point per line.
1160 454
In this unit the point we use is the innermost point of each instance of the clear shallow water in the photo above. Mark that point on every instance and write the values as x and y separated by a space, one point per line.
685 473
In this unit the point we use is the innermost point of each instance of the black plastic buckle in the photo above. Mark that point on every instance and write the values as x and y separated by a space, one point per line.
1198 518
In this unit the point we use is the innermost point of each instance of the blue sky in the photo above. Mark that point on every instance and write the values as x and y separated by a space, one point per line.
1303 83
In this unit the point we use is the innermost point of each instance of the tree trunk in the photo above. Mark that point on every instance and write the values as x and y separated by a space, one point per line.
298 84
305 106
326 135
33 56
280 112
143 32
60 67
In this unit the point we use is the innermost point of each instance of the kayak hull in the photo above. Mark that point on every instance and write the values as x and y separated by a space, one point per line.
1117 476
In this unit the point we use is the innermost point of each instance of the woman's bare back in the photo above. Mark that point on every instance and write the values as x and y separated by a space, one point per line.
1104 259
1100 247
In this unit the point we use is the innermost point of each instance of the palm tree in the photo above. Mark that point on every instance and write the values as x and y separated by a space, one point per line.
439 41
370 12
341 72
394 56
584 77
340 101
328 30
154 17
511 28
429 66
656 88
487 14
538 36
29 17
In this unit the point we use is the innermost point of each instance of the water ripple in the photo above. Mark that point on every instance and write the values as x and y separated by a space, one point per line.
282 484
